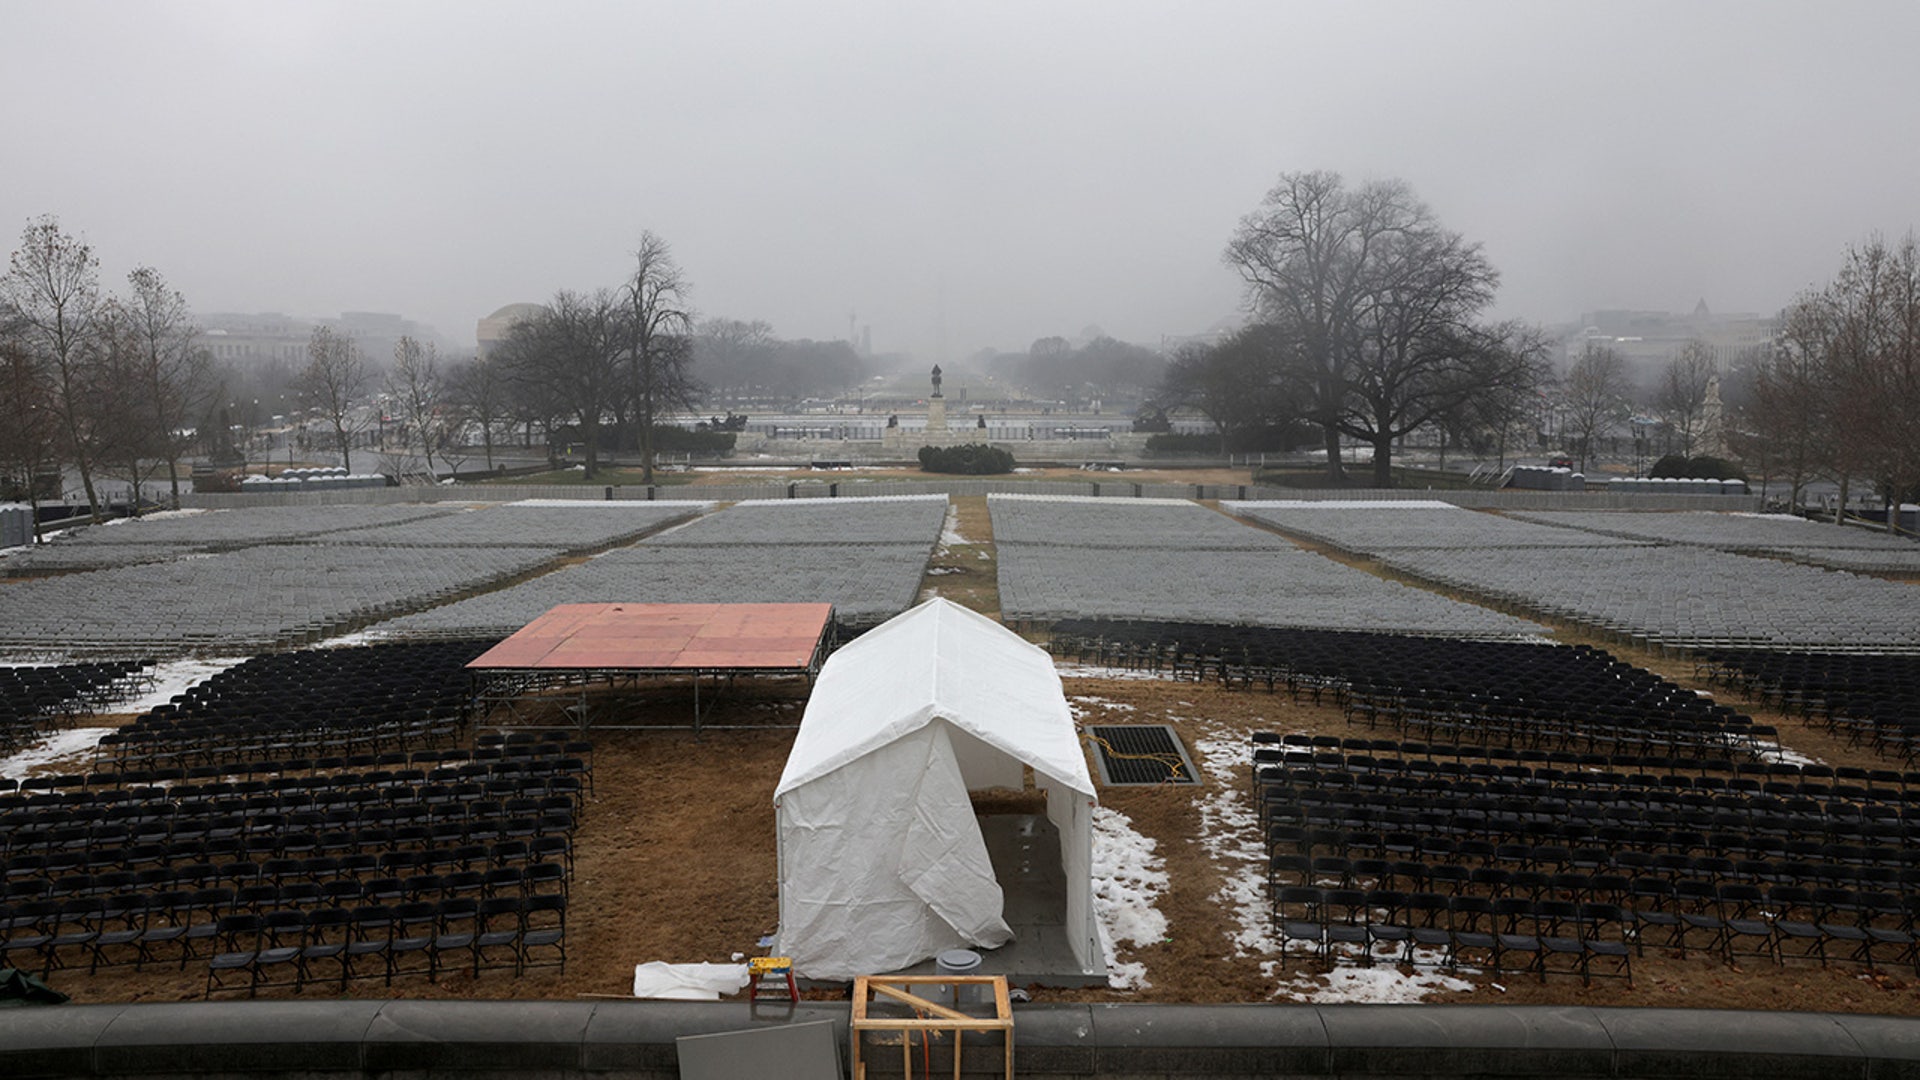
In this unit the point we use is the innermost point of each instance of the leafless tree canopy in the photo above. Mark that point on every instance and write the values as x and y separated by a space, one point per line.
418 394
1379 307
1594 397
657 355
52 287
1837 397
1682 394
332 383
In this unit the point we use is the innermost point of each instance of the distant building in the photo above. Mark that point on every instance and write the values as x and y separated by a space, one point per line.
270 337
493 329
1647 339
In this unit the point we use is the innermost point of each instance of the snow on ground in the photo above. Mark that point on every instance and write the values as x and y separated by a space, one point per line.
1128 877
172 677
1382 984
1230 834
950 530
1077 703
67 745
1073 670
367 636
1775 753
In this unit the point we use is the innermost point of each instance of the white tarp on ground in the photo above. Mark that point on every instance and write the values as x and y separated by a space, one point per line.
881 860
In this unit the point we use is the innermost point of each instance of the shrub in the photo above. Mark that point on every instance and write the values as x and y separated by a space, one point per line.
971 459
678 440
1677 467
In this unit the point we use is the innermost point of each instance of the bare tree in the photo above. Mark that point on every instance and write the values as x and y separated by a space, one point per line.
1240 384
1508 404
1792 400
52 286
1682 395
171 372
127 436
1594 395
29 416
570 357
478 394
1380 301
415 387
733 354
331 384
656 330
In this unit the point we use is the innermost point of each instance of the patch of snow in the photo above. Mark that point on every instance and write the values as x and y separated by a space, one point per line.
950 530
1382 984
941 571
59 746
359 637
176 677
1128 878
1076 706
1230 835
1074 670
1773 753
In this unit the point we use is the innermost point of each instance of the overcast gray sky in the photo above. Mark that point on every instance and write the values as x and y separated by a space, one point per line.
968 174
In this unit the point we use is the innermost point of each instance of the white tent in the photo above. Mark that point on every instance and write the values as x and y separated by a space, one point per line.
881 860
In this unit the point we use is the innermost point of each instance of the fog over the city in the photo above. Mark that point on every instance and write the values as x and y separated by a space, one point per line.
953 175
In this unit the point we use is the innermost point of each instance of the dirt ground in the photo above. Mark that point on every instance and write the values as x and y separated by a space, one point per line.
676 858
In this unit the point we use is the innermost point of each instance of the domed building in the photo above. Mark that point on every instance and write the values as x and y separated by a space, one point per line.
493 329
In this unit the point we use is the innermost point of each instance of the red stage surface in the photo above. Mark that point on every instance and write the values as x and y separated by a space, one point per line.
665 637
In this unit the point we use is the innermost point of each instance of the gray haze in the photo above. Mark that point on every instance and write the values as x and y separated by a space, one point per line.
959 174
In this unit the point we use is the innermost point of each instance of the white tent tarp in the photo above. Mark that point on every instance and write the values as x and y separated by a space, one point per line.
881 860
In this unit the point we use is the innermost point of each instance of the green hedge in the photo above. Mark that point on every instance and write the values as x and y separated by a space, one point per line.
1677 467
678 440
972 459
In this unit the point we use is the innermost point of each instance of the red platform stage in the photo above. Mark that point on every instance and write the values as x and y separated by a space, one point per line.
580 644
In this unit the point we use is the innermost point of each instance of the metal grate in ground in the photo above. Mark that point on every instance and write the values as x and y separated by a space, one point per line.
1141 754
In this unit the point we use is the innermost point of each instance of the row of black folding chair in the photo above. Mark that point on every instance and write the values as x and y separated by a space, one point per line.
1495 935
282 834
547 832
1622 847
1825 865
49 875
1886 842
1445 755
387 941
1279 765
1735 921
126 753
1801 818
1558 872
161 819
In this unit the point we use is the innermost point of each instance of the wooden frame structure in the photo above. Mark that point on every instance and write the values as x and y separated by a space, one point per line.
929 1016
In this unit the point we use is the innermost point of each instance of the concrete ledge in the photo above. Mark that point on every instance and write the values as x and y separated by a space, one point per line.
401 1040
249 1037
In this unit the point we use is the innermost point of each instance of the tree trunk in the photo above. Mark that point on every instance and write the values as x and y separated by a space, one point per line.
1383 461
646 440
590 434
1335 473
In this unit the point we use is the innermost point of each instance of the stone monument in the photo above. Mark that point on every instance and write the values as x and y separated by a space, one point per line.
936 406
